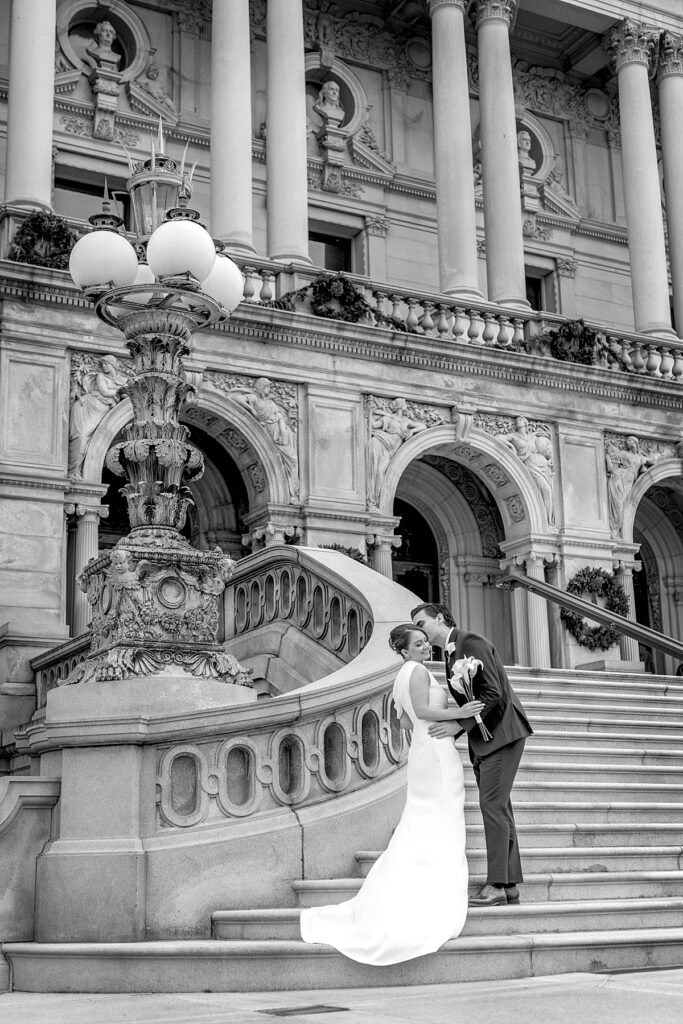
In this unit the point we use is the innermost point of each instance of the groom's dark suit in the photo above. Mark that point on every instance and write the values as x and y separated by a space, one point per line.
495 761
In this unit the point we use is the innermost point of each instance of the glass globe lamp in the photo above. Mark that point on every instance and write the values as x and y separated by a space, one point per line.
181 247
103 259
225 283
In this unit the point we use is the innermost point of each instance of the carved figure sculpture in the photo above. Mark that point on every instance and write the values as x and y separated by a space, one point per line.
328 104
624 465
535 451
389 430
100 51
526 161
100 394
156 91
271 416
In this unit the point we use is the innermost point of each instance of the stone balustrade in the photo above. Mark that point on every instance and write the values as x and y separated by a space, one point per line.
54 665
482 324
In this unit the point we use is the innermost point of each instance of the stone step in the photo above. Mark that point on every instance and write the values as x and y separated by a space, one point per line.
536 768
574 681
540 888
550 811
565 739
568 859
539 747
577 915
534 834
583 786
211 965
658 716
670 732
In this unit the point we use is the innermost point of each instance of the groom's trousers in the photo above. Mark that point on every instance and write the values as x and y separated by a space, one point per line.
495 774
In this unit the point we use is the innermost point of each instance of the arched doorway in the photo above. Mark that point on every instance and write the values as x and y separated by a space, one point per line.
416 563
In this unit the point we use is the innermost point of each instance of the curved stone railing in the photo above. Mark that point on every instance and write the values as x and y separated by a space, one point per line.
331 737
481 324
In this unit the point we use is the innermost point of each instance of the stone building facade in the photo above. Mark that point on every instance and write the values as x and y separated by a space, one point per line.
484 174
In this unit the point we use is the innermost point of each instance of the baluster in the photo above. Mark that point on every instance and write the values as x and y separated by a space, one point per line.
460 324
396 307
489 333
381 303
666 363
677 368
503 339
412 322
249 287
518 333
442 325
266 294
653 361
426 320
473 332
637 357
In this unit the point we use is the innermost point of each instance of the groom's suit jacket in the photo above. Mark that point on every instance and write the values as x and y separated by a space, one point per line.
503 713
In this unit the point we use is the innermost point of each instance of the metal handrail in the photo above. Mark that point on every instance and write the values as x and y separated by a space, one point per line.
643 634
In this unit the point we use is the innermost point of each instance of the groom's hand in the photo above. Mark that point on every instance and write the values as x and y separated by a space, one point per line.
443 729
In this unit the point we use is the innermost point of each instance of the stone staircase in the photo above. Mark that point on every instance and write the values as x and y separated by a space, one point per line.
599 807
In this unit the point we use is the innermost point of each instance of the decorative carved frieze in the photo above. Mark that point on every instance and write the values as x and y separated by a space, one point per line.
533 448
274 405
631 42
96 383
670 54
192 15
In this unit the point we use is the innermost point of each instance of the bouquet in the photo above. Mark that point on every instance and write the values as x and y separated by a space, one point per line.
463 671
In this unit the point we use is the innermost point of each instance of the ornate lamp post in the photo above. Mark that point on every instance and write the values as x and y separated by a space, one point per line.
154 597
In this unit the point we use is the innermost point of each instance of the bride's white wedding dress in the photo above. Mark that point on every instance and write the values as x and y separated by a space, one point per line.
415 897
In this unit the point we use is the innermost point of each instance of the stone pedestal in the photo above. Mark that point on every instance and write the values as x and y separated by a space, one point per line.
91 879
610 665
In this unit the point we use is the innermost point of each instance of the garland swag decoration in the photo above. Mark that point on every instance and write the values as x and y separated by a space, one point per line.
335 297
600 583
44 240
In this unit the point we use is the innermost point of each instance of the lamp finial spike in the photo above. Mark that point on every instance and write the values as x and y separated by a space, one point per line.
160 142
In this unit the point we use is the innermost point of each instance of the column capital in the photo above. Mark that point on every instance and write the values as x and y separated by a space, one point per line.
434 5
96 512
494 10
670 55
630 42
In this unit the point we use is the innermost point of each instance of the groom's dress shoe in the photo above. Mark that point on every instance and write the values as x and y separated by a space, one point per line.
487 896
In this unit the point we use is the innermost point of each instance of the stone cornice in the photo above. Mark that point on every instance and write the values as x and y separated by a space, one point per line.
670 55
630 42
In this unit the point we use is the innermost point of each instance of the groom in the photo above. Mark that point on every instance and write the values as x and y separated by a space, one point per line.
495 761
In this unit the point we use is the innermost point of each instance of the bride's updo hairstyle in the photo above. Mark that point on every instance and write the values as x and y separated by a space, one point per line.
399 638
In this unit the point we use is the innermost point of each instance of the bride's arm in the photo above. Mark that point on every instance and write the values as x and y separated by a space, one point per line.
419 695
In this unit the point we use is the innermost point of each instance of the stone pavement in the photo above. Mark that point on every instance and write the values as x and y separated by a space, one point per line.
646 997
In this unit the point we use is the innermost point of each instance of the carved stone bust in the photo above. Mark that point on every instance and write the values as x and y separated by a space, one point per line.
328 104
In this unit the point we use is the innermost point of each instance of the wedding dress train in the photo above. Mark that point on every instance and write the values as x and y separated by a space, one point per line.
415 897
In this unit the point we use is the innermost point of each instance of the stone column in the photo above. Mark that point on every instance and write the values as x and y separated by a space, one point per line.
231 189
631 45
28 173
628 648
380 546
453 152
286 158
537 616
671 117
500 163
88 521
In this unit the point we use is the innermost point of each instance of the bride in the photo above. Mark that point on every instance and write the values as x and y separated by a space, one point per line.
415 897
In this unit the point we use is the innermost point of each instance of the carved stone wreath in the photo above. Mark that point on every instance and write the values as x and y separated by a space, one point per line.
590 580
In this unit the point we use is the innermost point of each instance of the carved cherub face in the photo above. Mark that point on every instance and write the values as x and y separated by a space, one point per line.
153 72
